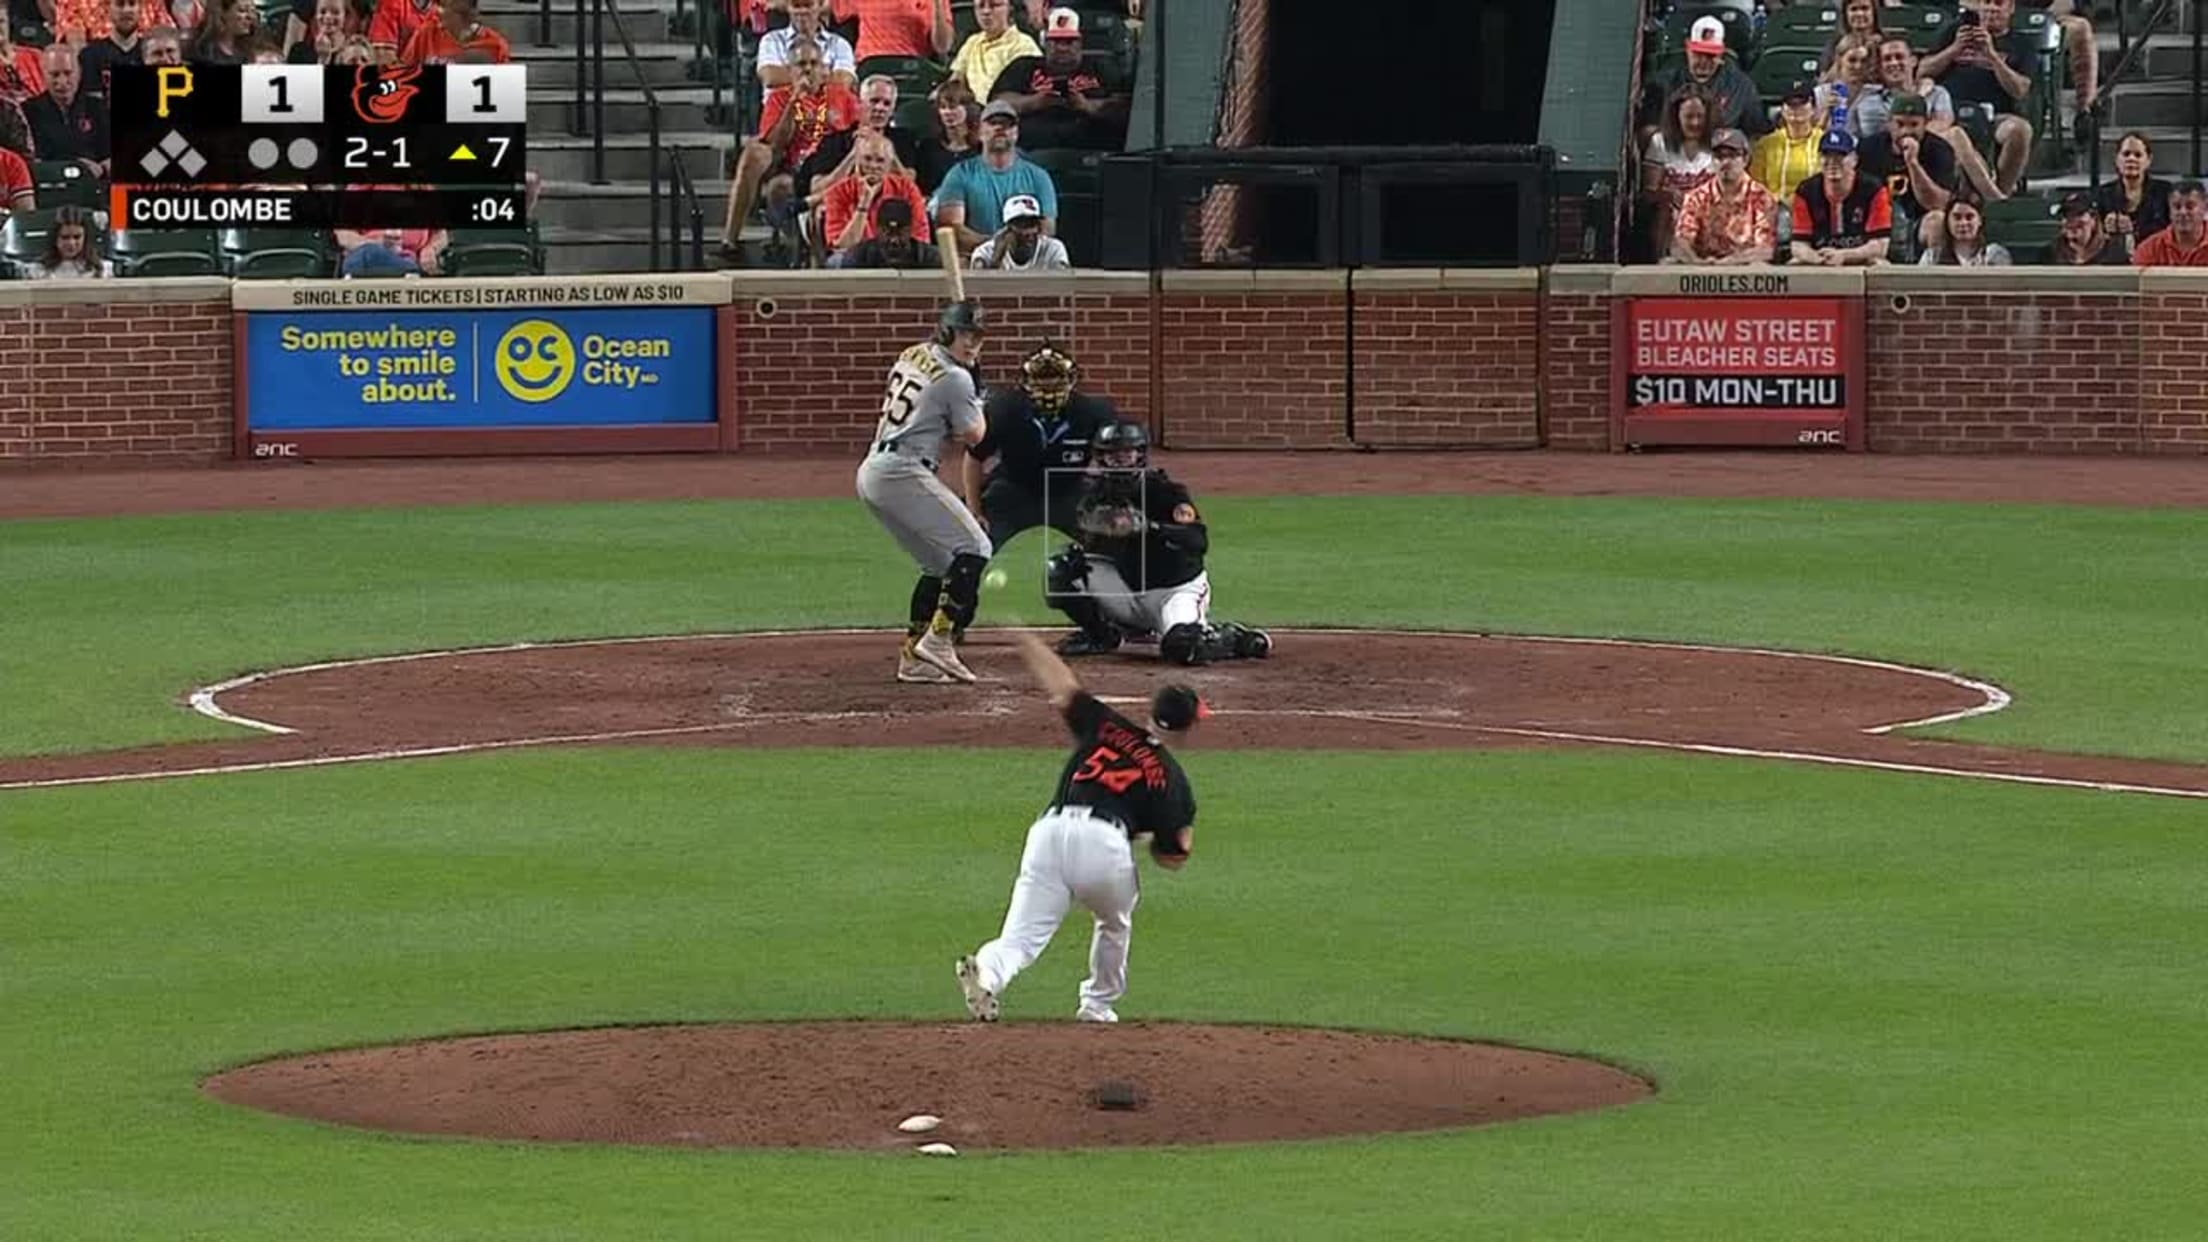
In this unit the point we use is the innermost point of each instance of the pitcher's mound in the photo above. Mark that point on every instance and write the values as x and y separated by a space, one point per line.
848 1084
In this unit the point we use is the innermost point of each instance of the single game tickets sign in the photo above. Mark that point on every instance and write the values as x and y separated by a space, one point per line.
1762 371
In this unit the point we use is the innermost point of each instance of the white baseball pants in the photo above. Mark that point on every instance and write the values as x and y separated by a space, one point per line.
1153 612
1071 857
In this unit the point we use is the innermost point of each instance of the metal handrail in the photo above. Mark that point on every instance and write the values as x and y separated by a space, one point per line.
600 10
2128 56
683 200
544 24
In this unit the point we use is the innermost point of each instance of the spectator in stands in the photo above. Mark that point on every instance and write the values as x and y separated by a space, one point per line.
1987 66
1734 100
986 52
1963 242
918 28
1731 218
2081 44
852 204
18 189
777 59
2185 242
22 69
1897 74
1021 246
1788 155
1857 17
2135 206
395 22
955 135
1854 71
836 157
893 243
1062 101
973 194
2083 243
265 49
69 254
459 28
1918 170
1841 219
117 45
224 33
355 50
80 23
1676 162
797 119
391 252
66 123
320 40
163 45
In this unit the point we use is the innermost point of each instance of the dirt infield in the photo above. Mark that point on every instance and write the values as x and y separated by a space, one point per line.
1324 689
349 484
848 1084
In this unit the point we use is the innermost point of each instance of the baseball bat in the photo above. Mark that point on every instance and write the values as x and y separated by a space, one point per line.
946 244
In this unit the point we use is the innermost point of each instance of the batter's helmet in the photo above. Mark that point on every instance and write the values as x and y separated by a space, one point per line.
1122 446
959 317
1049 375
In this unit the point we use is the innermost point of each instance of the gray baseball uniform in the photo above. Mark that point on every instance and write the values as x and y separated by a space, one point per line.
931 398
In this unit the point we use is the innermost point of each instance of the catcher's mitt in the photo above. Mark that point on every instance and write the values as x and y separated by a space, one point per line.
1108 520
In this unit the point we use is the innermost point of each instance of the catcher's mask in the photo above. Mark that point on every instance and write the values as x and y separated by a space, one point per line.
1049 375
1122 446
959 317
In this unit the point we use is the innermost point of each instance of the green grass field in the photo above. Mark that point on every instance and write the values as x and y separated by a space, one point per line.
1878 1006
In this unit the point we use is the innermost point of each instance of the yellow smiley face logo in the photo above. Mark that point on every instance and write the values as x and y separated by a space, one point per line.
535 361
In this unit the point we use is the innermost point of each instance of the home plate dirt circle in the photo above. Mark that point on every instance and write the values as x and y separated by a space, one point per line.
848 1084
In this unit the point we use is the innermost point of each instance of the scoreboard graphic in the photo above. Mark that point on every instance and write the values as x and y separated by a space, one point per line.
319 146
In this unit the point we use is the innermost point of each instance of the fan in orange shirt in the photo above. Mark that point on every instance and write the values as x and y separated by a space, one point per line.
454 32
395 22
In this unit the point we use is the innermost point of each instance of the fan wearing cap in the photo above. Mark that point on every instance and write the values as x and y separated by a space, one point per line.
2083 243
1119 786
1021 246
1898 76
1736 104
1788 155
1841 218
894 243
1062 100
974 193
987 51
2185 242
1731 218
1918 169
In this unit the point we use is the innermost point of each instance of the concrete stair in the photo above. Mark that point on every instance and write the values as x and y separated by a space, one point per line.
591 227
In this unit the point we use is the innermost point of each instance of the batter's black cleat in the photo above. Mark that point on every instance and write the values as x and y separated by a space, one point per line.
1084 643
1250 642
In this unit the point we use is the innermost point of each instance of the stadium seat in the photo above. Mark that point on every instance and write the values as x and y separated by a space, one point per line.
915 116
1071 170
1921 24
65 183
914 75
493 252
1803 24
1081 226
275 254
2025 223
1781 67
23 238
166 252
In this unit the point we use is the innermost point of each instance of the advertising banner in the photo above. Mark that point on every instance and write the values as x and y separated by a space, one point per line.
1740 371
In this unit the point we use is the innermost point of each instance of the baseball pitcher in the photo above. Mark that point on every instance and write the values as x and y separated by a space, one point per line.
1139 565
1119 786
932 399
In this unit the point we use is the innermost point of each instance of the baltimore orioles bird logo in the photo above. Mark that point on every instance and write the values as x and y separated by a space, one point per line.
380 95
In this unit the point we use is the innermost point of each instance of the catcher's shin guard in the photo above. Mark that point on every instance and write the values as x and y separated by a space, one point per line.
1065 588
1191 643
961 590
927 596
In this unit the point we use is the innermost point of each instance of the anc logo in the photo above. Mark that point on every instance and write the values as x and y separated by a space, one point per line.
536 361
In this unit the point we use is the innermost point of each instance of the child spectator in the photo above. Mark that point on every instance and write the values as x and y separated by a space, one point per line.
1731 218
2135 206
2185 242
69 253
1964 243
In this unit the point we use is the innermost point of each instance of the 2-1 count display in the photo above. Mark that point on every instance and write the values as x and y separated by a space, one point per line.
359 151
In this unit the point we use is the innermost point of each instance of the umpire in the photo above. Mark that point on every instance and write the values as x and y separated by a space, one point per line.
1038 438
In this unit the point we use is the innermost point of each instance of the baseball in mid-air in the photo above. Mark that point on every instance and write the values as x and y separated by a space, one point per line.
995 579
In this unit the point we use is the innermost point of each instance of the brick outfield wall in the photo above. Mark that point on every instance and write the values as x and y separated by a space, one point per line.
1991 360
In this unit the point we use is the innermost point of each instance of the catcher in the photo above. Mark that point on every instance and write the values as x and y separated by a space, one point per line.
1138 565
931 401
1119 785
